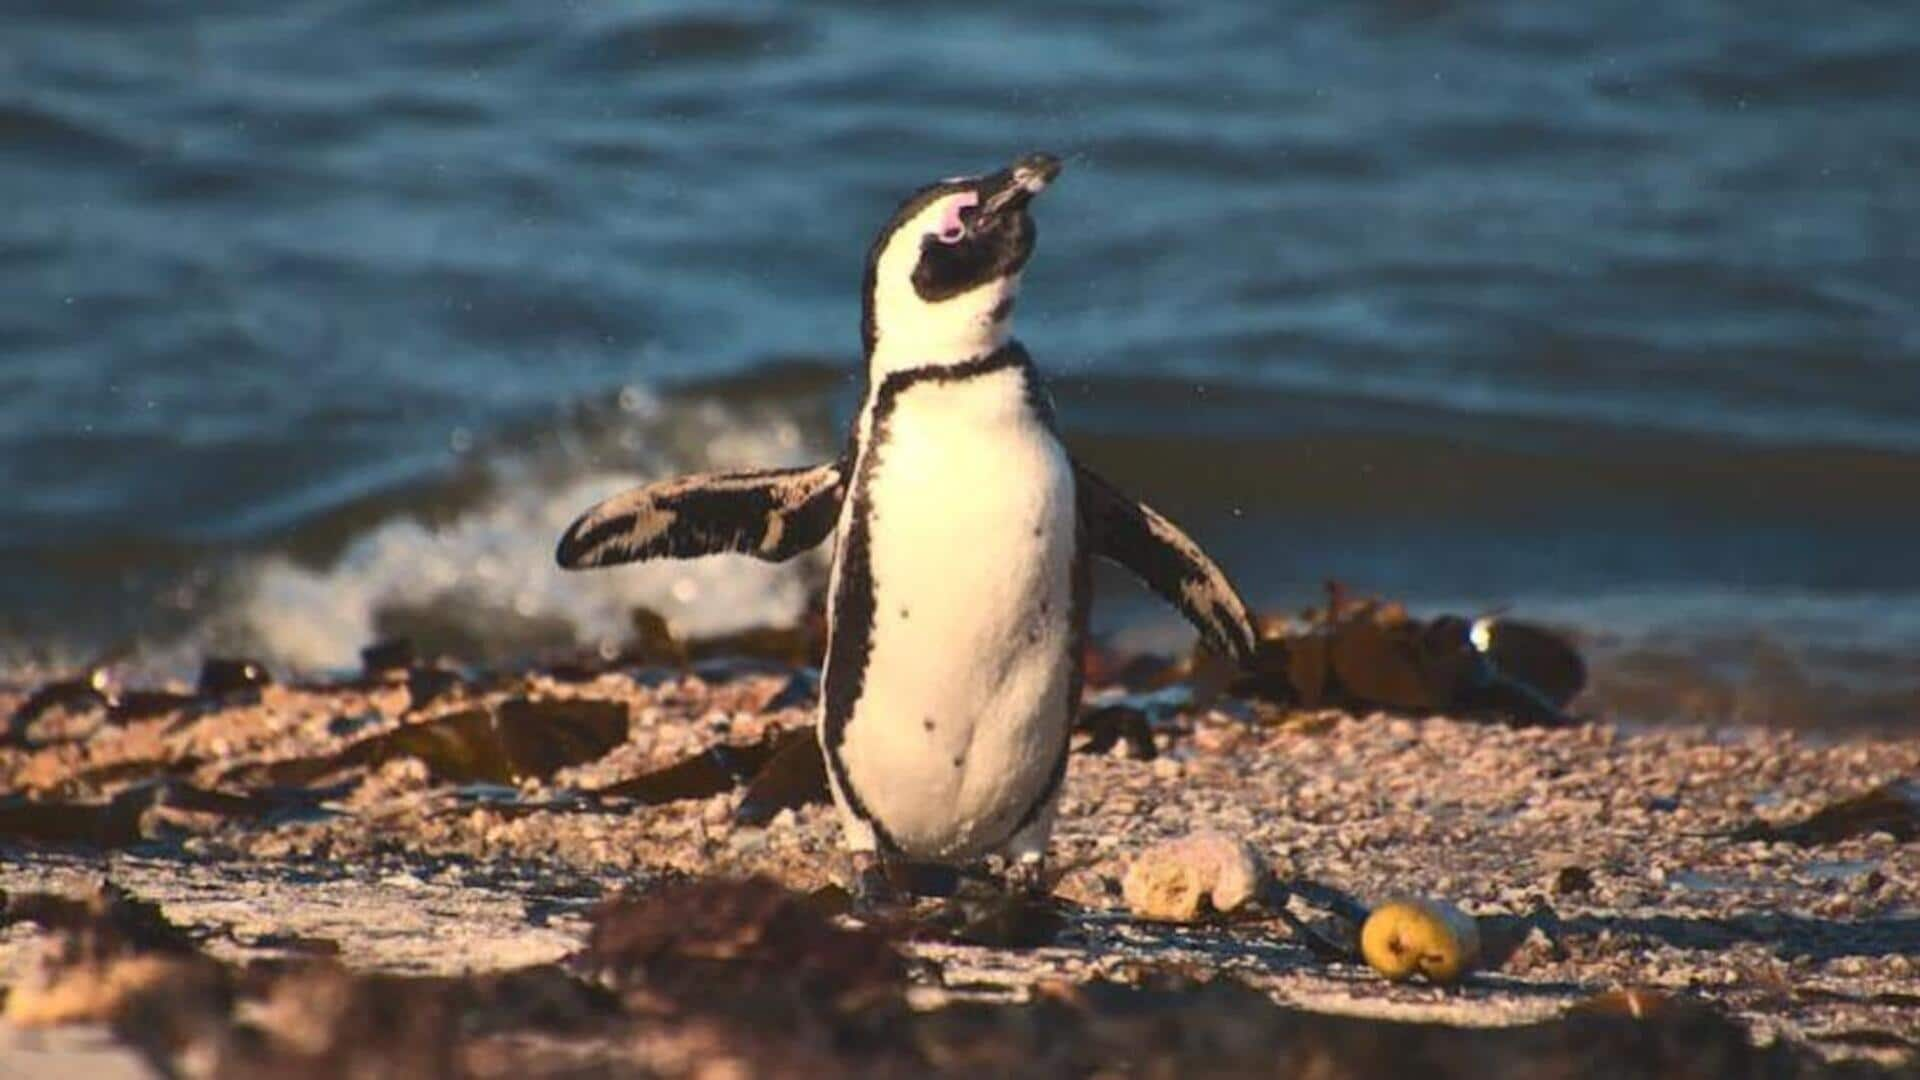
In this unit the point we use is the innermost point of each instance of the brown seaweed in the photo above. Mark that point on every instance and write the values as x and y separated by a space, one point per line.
517 739
222 677
718 768
117 822
1890 808
1108 726
773 984
87 691
94 690
144 704
55 823
1006 919
108 920
655 643
727 942
1536 656
387 656
1371 654
426 685
794 776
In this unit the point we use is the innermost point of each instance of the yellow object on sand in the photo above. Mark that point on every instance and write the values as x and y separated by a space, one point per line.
1408 937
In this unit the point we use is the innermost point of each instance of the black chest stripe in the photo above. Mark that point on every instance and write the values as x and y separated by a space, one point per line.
850 638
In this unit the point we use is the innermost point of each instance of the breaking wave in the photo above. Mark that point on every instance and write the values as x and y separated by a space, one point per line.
476 580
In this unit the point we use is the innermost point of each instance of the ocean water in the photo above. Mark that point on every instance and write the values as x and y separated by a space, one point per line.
319 320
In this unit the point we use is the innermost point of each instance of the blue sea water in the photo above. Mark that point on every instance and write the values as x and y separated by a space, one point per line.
320 319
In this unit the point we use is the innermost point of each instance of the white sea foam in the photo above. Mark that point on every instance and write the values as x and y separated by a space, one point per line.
489 572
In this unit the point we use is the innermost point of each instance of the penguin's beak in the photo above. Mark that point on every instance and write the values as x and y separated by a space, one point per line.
1014 186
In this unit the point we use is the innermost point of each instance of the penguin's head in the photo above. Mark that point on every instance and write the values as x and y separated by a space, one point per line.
942 275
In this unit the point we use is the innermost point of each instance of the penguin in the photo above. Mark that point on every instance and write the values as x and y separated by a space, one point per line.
963 532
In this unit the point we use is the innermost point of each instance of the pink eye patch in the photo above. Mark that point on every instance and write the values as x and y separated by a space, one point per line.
951 228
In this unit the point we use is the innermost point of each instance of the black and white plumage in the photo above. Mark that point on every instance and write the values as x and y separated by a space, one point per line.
771 514
962 534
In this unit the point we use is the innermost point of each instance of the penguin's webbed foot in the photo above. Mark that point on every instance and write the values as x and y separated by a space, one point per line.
1026 876
868 882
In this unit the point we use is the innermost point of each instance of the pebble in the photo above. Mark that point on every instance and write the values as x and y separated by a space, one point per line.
1570 880
1175 880
1165 891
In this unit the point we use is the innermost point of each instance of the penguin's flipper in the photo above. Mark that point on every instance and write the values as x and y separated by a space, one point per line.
772 514
1134 535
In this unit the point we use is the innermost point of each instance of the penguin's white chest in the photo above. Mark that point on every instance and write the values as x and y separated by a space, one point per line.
963 712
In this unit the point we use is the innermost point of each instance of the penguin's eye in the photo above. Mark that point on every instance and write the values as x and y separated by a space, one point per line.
952 226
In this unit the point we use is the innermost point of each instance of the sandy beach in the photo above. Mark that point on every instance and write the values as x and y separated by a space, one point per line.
375 832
